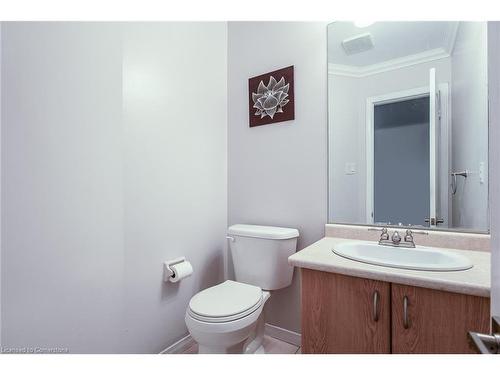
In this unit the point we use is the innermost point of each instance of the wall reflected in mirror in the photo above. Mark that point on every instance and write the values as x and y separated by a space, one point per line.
408 124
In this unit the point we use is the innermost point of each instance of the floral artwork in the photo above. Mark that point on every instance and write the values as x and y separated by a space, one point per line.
271 97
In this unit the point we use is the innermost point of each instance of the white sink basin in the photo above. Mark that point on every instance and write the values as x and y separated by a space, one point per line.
420 258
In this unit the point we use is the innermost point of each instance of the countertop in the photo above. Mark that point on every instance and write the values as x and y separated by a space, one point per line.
474 281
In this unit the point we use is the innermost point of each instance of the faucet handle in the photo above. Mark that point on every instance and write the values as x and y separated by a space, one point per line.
409 236
384 235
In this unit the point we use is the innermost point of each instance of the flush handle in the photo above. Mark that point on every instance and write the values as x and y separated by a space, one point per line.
406 320
376 298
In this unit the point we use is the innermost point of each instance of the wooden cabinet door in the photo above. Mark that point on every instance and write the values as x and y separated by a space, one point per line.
437 321
340 314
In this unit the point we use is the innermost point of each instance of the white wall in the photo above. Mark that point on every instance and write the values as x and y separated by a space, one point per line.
0 185
98 189
277 173
62 212
470 124
175 176
346 120
347 123
494 136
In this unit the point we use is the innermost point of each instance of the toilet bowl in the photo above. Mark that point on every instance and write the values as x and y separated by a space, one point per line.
229 317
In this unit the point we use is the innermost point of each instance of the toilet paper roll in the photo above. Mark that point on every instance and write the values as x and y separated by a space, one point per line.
181 271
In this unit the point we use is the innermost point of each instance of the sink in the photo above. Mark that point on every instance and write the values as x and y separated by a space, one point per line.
420 258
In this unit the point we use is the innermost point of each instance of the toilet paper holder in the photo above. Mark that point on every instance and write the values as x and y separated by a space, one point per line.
168 272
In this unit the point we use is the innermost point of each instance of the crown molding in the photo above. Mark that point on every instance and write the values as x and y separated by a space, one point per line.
402 62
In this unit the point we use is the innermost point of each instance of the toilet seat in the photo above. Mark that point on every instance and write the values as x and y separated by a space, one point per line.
225 302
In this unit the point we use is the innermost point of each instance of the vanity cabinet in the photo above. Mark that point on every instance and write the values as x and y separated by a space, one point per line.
433 321
343 314
346 314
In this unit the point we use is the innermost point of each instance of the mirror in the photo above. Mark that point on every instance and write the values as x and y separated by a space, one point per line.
408 124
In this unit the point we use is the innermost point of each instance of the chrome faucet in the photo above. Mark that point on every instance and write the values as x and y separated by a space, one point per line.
396 239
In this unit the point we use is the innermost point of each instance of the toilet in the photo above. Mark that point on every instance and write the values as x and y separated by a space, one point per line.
229 317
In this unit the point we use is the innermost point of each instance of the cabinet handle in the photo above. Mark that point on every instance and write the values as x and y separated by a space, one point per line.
376 297
406 321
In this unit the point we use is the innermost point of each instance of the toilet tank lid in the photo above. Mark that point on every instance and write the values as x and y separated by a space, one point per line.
259 231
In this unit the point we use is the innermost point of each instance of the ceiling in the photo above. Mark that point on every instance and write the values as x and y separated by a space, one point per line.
393 41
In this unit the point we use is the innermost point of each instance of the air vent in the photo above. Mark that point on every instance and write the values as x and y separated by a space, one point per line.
357 44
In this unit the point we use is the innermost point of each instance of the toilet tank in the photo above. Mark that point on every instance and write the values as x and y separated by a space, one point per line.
260 254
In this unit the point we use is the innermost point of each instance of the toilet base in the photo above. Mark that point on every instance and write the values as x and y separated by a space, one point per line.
235 349
256 338
260 350
251 343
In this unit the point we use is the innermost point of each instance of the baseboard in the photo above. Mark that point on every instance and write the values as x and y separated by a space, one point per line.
283 334
180 346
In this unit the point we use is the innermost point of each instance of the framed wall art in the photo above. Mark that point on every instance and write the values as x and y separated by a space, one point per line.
271 97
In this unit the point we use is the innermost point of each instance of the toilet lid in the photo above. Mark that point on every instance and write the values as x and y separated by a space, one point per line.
227 299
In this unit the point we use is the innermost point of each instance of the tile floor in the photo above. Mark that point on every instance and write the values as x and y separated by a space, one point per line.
271 346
